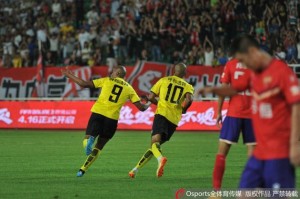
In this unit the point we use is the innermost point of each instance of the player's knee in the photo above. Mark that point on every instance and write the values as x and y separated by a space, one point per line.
156 139
87 136
224 148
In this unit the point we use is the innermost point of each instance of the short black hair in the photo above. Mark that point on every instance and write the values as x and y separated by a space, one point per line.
242 43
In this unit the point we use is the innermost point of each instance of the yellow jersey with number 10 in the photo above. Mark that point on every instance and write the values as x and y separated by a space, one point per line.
114 93
171 91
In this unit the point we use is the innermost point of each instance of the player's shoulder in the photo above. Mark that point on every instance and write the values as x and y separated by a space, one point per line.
166 78
102 78
183 82
279 63
231 63
280 66
121 81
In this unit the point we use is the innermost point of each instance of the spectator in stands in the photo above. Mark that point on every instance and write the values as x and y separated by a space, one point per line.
66 29
56 8
17 60
24 53
280 53
155 48
219 33
76 55
111 57
85 54
54 47
144 55
49 60
123 52
67 46
83 36
92 16
208 53
96 58
221 58
168 30
32 47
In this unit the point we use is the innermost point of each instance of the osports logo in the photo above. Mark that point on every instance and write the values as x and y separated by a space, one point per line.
180 193
5 116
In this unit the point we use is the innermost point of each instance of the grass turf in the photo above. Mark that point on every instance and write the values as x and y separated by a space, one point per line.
43 164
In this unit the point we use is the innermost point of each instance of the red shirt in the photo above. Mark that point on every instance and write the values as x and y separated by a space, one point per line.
273 91
239 78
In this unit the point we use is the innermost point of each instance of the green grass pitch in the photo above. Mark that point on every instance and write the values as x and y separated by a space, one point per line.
43 165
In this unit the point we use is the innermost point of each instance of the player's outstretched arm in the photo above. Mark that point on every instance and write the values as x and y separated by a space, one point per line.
68 73
295 135
187 102
224 91
152 98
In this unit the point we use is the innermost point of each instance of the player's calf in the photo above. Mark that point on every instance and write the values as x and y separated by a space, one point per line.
89 145
145 158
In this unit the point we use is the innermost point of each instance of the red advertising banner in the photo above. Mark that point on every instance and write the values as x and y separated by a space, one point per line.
20 82
75 115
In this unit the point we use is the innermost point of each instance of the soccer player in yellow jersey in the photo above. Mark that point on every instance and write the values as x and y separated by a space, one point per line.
175 97
115 91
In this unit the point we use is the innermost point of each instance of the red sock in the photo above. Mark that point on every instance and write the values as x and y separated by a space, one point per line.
218 171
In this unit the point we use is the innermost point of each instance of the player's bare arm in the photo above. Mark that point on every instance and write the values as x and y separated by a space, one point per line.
86 84
224 91
187 102
295 135
152 98
220 105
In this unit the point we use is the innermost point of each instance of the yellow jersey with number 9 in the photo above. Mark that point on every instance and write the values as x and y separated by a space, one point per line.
171 91
114 93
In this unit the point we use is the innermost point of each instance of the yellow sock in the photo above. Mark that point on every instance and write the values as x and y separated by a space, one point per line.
84 143
156 150
145 158
90 159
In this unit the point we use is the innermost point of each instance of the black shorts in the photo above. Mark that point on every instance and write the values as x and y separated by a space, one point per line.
102 126
164 127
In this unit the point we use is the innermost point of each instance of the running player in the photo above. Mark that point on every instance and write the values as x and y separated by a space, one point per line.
115 91
275 116
237 119
175 97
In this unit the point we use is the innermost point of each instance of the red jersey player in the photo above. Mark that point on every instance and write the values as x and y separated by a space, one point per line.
237 119
275 116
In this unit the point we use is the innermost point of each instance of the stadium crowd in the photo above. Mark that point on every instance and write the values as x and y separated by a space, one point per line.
99 32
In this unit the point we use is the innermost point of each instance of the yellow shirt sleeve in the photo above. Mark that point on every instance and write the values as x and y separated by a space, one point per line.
98 83
133 96
156 88
190 89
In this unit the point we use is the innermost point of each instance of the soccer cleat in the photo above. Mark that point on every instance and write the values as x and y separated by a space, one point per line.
89 146
161 165
80 173
131 174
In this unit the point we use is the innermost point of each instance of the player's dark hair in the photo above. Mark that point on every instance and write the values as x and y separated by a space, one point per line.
242 43
180 69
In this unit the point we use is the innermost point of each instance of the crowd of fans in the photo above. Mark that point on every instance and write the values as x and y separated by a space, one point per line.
99 32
